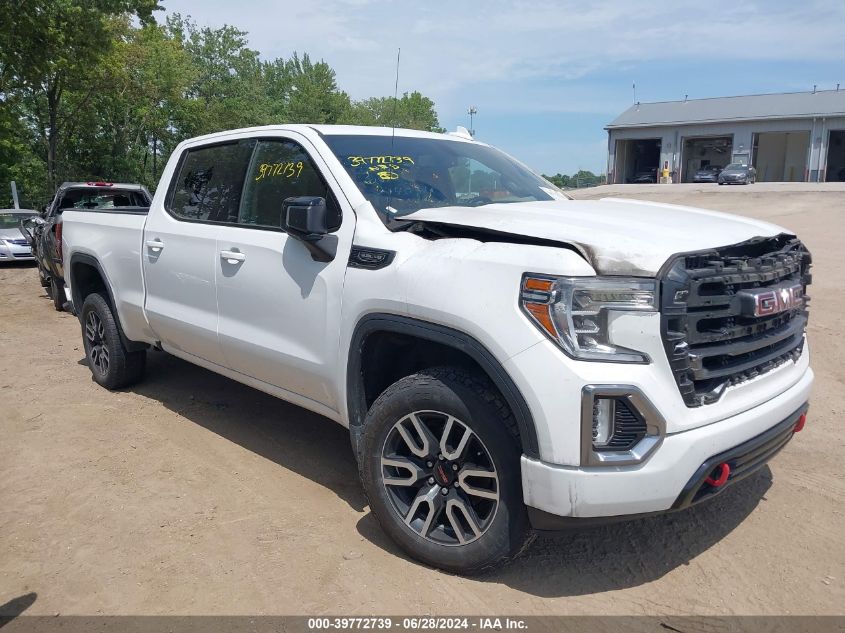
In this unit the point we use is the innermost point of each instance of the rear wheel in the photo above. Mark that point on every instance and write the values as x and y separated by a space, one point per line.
57 294
111 364
440 466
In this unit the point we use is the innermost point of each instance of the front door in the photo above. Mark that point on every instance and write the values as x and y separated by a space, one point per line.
180 248
279 309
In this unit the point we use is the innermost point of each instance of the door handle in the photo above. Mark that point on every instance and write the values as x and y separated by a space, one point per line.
154 245
232 257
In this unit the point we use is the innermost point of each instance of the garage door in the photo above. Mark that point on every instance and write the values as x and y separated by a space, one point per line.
702 152
781 156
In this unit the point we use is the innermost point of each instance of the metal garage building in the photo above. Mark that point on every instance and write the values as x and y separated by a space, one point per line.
797 136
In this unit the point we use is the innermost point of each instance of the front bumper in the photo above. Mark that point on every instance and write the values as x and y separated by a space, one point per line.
664 481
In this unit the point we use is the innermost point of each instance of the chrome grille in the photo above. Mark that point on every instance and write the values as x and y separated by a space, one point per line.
711 338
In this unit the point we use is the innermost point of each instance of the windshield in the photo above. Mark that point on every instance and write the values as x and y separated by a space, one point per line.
101 199
13 220
401 175
734 166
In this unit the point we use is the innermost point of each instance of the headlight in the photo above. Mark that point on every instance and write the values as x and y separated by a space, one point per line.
576 312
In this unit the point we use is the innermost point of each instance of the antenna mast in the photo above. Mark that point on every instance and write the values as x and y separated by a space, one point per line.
395 98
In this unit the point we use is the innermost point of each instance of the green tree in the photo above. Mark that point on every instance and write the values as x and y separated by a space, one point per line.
413 111
313 95
89 92
49 47
228 89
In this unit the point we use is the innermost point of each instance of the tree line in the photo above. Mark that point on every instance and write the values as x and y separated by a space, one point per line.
581 178
99 90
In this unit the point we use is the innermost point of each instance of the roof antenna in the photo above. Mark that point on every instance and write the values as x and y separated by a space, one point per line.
395 98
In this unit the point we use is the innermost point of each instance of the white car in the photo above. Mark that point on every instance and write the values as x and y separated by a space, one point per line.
14 246
504 357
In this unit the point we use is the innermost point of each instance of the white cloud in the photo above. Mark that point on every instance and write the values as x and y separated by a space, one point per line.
448 46
528 56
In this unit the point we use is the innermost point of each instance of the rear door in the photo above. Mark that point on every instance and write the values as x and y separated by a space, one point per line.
279 309
180 254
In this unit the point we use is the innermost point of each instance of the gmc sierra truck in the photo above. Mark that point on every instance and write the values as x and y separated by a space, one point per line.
505 358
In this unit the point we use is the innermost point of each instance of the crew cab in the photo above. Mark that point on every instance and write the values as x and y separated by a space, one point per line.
505 358
45 233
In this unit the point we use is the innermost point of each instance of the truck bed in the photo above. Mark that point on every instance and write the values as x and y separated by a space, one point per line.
114 238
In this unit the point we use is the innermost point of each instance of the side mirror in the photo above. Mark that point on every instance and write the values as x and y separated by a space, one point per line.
305 215
307 219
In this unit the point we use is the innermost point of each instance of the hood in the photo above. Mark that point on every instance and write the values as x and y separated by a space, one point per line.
616 236
11 234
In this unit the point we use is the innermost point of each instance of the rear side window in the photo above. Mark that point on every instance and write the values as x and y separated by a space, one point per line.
281 169
209 183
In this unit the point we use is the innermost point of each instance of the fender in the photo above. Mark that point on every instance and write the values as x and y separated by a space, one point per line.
449 337
84 258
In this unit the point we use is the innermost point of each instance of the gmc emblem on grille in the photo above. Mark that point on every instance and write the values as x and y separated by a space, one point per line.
767 301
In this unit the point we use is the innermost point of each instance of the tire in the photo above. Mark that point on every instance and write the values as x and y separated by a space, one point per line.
57 294
461 531
43 277
112 365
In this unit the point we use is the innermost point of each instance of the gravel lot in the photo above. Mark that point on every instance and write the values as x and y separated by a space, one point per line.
192 494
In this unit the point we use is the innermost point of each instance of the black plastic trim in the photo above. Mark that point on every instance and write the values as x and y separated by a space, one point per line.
548 522
83 258
115 211
379 322
383 258
758 450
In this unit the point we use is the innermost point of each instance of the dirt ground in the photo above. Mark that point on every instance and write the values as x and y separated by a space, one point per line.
192 494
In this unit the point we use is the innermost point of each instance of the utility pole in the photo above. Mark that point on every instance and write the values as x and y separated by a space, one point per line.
472 112
15 195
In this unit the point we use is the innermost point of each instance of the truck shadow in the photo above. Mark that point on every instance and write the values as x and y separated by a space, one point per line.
304 442
617 556
570 563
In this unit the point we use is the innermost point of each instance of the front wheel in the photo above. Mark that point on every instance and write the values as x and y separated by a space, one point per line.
440 466
112 365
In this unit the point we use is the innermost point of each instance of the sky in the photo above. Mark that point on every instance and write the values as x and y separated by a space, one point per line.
546 77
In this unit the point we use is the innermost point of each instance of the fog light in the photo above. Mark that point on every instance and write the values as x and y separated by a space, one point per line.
604 411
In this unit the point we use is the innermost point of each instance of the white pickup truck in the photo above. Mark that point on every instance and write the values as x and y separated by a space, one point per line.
503 356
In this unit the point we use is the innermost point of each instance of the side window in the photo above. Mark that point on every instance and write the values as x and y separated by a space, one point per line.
210 181
279 170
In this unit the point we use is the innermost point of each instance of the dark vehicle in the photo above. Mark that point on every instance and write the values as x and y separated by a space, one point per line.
646 176
46 233
737 174
14 246
708 173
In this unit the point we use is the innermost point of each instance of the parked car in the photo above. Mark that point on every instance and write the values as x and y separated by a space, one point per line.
46 235
500 364
14 245
708 173
646 176
737 174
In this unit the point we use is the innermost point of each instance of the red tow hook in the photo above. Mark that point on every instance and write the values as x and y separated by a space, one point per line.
800 424
724 472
